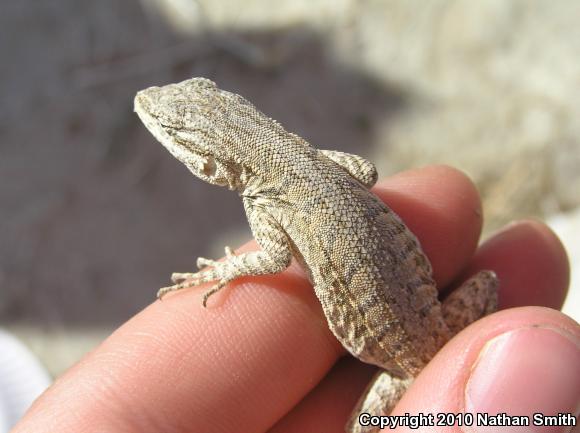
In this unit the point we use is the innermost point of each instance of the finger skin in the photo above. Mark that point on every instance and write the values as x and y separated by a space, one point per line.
443 386
529 259
243 363
552 379
328 406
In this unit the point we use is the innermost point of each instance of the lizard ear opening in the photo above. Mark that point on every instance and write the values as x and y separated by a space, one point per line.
209 167
211 170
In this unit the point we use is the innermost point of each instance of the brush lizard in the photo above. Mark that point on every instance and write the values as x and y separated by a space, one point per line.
369 272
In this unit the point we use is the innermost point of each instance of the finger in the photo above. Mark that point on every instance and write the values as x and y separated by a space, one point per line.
442 207
248 360
327 407
178 367
520 361
531 264
540 269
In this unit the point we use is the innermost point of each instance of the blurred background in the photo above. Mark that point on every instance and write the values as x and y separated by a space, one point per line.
95 215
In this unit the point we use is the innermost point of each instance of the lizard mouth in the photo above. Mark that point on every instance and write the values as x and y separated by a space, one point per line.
142 106
148 106
145 103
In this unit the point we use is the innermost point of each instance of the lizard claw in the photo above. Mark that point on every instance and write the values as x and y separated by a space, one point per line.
202 262
178 277
216 288
181 283
164 291
218 271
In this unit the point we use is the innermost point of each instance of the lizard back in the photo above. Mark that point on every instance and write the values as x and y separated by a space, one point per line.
373 280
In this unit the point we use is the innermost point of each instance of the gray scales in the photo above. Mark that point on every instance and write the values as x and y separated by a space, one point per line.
369 272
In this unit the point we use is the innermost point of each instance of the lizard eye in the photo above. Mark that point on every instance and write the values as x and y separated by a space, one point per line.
171 122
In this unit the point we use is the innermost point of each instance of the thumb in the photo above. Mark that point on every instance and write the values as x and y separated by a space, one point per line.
522 361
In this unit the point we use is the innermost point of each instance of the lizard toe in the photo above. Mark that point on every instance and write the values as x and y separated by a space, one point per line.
202 262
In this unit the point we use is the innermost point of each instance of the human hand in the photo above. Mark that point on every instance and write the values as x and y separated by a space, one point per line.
261 357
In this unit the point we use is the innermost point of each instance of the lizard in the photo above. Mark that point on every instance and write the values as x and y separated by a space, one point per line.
373 280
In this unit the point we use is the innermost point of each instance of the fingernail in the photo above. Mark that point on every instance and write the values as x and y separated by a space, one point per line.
524 372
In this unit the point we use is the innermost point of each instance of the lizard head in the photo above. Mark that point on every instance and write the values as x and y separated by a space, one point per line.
186 118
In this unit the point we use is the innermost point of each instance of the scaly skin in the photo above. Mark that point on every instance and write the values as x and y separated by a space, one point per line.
373 280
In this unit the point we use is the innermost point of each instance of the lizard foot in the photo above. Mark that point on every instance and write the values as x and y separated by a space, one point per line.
192 283
179 277
203 262
221 271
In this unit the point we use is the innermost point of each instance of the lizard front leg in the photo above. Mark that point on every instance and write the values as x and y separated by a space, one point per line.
274 257
361 169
